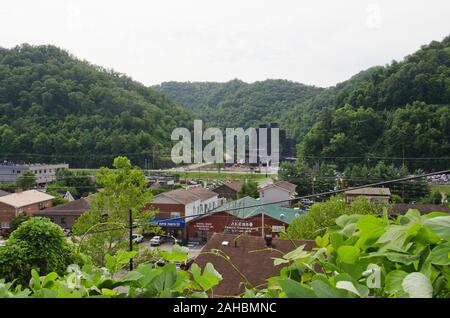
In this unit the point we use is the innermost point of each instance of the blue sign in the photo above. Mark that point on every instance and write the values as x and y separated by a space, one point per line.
178 223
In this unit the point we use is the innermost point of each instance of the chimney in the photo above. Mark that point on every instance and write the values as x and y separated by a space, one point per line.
18 190
268 239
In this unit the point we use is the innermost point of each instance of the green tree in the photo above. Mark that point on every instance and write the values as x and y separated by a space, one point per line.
26 180
103 229
321 216
250 189
37 244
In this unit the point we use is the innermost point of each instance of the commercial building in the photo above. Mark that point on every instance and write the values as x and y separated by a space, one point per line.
44 172
242 216
66 214
373 195
22 202
182 203
257 267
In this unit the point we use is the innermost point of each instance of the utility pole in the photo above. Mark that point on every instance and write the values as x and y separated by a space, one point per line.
131 236
262 224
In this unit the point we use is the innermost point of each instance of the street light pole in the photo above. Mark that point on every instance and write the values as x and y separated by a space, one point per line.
131 236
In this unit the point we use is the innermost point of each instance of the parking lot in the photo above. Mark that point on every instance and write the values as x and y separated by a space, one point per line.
167 246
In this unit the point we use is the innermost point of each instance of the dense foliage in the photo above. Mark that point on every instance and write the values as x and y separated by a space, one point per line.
239 104
148 280
399 111
77 183
36 244
322 215
325 177
103 229
54 107
250 189
368 256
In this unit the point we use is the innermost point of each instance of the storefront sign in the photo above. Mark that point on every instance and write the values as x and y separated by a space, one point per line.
239 226
174 223
203 226
278 228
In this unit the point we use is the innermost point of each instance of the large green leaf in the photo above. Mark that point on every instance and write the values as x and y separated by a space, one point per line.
348 254
208 279
417 285
440 255
176 254
393 283
294 289
325 290
439 225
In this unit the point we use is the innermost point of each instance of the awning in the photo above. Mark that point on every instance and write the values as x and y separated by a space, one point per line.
174 223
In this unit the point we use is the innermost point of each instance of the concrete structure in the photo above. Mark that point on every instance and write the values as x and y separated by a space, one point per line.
373 195
65 215
44 172
278 191
22 202
242 216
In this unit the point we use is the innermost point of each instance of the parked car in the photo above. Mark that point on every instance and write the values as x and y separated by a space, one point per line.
138 238
157 240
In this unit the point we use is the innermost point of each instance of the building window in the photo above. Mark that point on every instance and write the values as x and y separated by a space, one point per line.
63 221
41 205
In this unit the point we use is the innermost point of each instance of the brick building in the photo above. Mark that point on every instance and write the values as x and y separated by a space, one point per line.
182 203
241 216
22 202
229 190
66 214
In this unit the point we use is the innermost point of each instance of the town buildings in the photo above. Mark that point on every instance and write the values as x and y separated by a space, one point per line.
253 255
182 203
373 195
229 190
44 172
66 214
22 202
245 215
278 191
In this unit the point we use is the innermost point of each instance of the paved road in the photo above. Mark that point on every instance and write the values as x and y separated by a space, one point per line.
193 251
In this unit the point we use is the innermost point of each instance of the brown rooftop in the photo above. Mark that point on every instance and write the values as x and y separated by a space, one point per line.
282 184
402 208
250 255
370 191
236 186
76 208
186 196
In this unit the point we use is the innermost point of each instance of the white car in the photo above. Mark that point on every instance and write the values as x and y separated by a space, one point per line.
138 238
156 240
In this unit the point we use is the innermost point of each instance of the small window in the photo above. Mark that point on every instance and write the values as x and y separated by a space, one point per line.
63 221
175 214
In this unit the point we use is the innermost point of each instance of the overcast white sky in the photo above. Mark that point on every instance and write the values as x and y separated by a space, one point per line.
319 42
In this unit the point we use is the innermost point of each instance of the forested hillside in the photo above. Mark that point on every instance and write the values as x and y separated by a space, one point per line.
399 111
239 104
54 107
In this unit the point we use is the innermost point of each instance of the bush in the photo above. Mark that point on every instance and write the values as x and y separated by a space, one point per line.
36 244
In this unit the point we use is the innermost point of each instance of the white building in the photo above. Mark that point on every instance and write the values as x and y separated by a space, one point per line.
278 191
187 202
44 172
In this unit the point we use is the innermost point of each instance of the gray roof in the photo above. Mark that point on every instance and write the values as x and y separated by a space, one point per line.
3 193
370 191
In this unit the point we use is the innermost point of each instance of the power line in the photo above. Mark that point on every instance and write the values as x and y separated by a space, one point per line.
316 195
